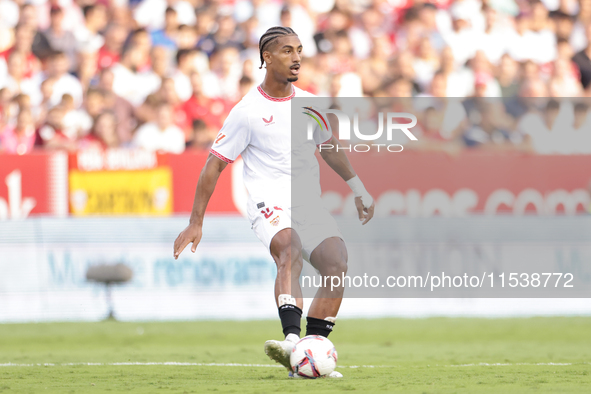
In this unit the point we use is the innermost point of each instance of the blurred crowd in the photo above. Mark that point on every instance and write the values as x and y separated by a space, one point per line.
163 74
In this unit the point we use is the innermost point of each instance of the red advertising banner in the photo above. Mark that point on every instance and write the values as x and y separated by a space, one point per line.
33 184
185 174
435 183
420 184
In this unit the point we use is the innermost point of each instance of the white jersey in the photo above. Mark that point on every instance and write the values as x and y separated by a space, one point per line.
275 157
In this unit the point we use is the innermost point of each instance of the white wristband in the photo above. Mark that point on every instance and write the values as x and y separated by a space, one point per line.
359 191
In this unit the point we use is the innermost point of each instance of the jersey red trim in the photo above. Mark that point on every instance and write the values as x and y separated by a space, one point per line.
221 157
276 99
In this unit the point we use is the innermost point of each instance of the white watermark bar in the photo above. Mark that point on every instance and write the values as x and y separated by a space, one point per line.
441 280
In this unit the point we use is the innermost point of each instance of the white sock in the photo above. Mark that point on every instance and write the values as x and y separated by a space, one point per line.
292 338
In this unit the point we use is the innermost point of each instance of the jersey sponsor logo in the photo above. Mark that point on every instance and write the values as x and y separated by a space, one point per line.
260 205
275 221
219 138
269 121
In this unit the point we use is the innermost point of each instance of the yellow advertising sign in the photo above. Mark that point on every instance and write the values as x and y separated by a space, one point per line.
145 192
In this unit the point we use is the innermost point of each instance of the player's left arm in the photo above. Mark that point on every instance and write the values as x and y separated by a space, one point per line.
338 161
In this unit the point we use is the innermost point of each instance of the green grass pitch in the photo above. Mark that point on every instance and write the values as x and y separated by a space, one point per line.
436 355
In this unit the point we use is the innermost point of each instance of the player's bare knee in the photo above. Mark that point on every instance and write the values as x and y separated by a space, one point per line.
286 250
336 267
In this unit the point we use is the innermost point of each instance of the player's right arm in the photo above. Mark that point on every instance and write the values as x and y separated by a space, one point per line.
231 141
205 187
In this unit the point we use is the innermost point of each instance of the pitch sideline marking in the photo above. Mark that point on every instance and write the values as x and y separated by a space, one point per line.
173 363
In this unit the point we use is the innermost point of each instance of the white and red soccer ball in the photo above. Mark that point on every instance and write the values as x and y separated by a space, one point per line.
313 356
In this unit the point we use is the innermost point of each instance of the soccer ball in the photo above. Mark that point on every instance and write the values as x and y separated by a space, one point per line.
313 356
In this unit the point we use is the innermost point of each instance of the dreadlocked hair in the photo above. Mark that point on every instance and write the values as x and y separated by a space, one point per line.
270 36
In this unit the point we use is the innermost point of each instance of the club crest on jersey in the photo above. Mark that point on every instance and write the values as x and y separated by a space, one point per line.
268 121
275 221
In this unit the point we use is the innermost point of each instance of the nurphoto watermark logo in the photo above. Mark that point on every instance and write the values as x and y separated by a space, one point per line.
391 124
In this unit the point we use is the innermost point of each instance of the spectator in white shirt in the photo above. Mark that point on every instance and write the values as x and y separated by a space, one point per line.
469 11
88 37
527 44
462 40
161 135
16 82
8 13
426 63
303 24
73 17
185 59
150 13
76 123
64 83
542 129
460 80
225 74
369 24
126 81
151 80
493 42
